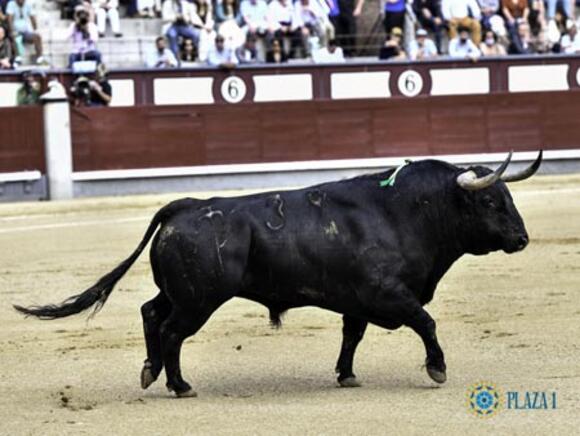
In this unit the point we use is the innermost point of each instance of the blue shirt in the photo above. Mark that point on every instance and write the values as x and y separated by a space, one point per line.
398 6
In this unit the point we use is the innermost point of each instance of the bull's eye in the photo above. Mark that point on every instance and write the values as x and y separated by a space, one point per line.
488 202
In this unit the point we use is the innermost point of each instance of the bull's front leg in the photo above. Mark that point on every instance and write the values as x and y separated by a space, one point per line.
353 330
422 324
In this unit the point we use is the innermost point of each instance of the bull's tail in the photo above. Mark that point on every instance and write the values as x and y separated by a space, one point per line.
97 294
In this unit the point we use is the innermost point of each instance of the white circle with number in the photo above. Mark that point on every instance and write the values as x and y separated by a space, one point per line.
578 76
233 89
410 83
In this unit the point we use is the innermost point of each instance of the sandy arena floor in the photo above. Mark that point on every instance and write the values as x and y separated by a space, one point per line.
512 320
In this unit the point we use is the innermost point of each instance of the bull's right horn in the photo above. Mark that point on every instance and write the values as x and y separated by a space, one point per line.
469 180
524 174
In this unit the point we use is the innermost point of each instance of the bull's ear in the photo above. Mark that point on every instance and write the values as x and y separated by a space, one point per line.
524 174
469 180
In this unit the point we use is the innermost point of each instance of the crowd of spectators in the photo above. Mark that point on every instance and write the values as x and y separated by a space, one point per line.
230 32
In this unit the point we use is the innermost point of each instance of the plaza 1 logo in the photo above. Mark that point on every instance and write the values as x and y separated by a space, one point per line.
486 399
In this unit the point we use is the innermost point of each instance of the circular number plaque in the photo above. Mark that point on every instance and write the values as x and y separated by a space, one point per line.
410 83
233 89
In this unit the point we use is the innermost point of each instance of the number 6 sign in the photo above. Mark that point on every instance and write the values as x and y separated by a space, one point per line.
233 89
410 83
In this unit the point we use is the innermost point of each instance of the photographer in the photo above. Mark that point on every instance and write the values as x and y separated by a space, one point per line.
179 16
84 35
92 91
29 93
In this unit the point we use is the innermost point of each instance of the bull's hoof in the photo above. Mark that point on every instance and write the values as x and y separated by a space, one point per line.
437 375
147 376
349 382
186 394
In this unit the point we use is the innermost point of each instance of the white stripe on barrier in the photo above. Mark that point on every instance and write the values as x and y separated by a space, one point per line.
529 78
368 84
21 176
460 81
283 87
310 165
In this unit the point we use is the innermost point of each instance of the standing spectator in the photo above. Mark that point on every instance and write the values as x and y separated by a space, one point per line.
393 49
6 54
428 13
29 93
490 45
276 55
254 17
422 47
537 17
464 13
177 15
330 54
570 42
462 46
108 9
161 57
84 36
343 15
247 53
394 14
23 26
220 55
203 19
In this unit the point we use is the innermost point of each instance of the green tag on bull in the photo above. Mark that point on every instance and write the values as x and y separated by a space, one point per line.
391 180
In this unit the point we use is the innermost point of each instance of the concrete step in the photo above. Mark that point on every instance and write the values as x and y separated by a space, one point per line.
131 27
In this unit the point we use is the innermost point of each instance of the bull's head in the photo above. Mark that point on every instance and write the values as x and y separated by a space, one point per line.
491 218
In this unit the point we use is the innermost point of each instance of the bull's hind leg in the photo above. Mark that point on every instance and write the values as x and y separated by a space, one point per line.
182 323
154 312
353 330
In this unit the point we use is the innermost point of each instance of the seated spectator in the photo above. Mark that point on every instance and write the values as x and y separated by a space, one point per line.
3 16
462 46
228 22
280 26
247 53
422 47
23 26
178 16
148 8
108 10
188 53
394 14
161 56
522 42
490 45
491 18
514 11
6 53
462 13
220 55
428 13
29 93
330 54
570 43
392 49
254 14
203 20
311 20
84 36
276 55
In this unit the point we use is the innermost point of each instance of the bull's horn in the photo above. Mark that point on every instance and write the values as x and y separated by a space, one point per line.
524 174
469 180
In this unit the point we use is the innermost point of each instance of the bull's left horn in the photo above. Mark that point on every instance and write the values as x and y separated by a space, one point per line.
469 180
524 174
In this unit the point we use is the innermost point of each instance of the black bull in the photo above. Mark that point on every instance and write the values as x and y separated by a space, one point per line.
372 253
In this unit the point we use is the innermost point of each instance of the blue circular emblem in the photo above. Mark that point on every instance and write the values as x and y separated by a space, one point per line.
484 399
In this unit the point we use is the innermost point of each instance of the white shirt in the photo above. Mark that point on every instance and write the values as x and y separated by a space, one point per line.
459 50
569 45
460 9
161 60
323 56
277 13
227 56
429 49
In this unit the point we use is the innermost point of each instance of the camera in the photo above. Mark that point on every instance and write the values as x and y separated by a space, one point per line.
81 91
